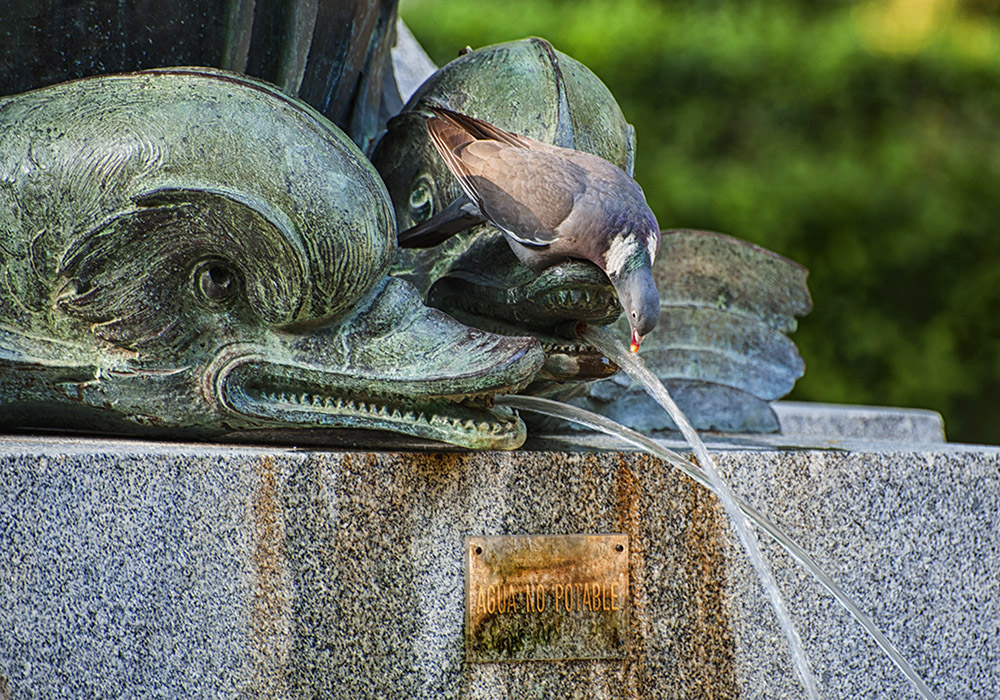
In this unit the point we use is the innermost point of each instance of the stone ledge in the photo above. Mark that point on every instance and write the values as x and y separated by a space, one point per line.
825 420
153 569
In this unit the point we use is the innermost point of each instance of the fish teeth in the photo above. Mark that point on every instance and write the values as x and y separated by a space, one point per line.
388 411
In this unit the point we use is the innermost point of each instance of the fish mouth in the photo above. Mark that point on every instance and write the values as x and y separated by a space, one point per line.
567 357
488 288
470 421
489 281
396 366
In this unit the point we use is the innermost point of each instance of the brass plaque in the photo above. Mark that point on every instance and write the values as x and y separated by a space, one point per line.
546 597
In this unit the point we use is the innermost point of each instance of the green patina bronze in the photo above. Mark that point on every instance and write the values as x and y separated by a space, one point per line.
727 306
529 88
190 252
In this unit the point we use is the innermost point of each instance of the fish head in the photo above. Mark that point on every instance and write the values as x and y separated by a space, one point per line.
529 88
170 275
488 287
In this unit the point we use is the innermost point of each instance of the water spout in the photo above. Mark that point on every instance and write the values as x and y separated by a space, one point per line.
636 368
609 427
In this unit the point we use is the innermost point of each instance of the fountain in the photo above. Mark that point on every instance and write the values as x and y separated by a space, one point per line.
144 567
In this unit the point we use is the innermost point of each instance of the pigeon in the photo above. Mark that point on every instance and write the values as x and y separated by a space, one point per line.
551 203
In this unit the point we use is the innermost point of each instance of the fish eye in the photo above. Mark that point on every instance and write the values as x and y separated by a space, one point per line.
421 203
215 281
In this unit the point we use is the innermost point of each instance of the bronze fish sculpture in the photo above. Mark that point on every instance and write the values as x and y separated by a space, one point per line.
192 253
725 361
530 88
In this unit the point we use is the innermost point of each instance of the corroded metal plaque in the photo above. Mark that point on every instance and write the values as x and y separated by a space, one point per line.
546 597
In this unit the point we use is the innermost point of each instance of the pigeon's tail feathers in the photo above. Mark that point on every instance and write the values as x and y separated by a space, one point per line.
474 129
455 218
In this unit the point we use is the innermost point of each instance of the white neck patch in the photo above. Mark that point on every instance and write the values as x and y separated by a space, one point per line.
621 249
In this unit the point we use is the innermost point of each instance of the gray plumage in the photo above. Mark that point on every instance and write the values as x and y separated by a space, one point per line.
551 203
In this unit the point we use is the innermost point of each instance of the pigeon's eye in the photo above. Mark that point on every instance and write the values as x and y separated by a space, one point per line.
421 199
215 281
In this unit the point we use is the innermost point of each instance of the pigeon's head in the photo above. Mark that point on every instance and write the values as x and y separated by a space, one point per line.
629 264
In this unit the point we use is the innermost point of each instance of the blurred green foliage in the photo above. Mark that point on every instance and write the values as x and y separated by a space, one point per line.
859 139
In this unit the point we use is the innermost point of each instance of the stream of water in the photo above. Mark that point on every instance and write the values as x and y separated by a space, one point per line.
636 368
738 510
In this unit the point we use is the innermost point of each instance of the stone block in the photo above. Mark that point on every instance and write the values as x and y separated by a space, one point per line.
143 569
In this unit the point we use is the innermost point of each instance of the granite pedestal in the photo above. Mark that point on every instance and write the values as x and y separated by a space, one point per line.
142 569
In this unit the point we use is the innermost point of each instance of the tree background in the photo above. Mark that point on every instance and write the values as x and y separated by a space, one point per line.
857 138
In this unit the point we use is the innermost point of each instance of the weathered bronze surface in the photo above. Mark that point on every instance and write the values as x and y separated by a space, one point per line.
192 257
727 306
192 253
529 88
546 597
334 54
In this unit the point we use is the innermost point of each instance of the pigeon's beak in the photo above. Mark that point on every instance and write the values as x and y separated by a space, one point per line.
636 339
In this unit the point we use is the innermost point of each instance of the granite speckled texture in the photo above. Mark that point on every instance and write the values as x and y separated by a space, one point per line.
859 422
163 570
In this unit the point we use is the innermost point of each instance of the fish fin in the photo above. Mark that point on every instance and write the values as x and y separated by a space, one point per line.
703 268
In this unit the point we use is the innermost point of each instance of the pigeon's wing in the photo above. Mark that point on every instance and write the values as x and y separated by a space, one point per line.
524 191
527 193
479 130
456 217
